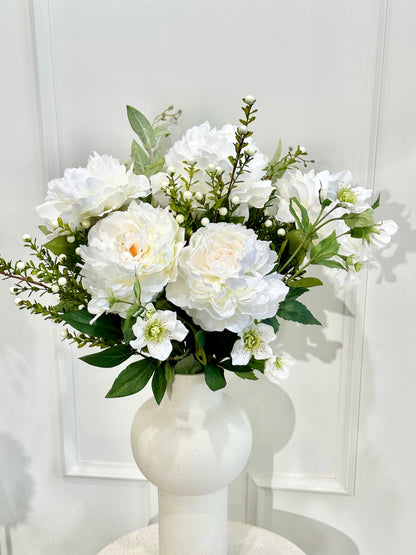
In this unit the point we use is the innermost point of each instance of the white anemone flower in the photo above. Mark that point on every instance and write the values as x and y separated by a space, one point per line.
342 191
91 192
156 331
254 342
277 368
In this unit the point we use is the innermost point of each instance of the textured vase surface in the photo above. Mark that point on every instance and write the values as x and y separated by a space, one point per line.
191 447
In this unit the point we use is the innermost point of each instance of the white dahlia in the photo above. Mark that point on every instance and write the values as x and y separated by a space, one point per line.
90 192
210 148
224 279
142 242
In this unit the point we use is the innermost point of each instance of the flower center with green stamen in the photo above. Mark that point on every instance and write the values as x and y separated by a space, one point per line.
278 363
251 341
155 332
346 195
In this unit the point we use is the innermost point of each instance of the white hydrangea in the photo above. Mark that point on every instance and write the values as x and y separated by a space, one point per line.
254 342
224 279
90 192
156 331
210 149
142 242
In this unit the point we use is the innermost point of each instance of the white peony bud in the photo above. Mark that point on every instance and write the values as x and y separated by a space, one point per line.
243 130
20 266
204 222
70 239
86 224
55 288
268 223
187 195
223 211
235 199
77 251
180 218
249 99
199 195
62 281
250 150
281 232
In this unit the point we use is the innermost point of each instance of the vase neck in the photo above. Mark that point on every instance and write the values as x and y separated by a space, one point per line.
191 391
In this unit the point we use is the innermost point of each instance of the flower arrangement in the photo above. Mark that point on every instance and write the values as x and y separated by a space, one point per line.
186 259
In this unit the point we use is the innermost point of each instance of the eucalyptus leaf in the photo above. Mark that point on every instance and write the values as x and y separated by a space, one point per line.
142 127
155 167
44 229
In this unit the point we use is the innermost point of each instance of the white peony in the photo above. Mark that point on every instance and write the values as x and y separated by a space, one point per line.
90 192
156 331
144 243
254 342
212 147
224 279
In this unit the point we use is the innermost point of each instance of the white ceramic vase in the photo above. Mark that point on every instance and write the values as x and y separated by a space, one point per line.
191 447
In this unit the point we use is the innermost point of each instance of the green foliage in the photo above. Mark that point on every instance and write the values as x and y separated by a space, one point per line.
188 365
306 282
142 127
296 311
107 326
214 377
159 384
325 249
133 378
113 356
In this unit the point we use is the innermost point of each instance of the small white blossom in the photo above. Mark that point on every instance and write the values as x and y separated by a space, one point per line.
26 237
281 231
223 211
243 130
86 224
55 288
277 368
187 195
20 266
62 281
13 290
70 239
254 342
156 332
77 251
268 223
205 221
235 199
17 302
219 170
62 257
180 218
250 150
199 195
63 333
171 170
249 99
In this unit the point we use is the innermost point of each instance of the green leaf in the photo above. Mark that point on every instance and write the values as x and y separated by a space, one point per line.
295 292
59 245
107 326
188 365
44 229
142 127
246 375
363 219
154 167
199 347
169 372
376 204
306 282
277 154
137 290
159 384
113 356
133 378
228 365
214 377
296 312
332 264
139 157
257 364
304 223
325 249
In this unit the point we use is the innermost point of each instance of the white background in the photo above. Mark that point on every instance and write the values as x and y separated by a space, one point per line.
333 461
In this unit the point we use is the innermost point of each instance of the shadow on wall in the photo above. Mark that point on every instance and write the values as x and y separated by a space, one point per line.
312 536
16 487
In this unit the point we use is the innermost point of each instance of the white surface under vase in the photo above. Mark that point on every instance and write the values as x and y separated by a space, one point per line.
191 447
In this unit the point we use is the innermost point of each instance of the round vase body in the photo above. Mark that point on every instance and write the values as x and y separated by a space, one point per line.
191 447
